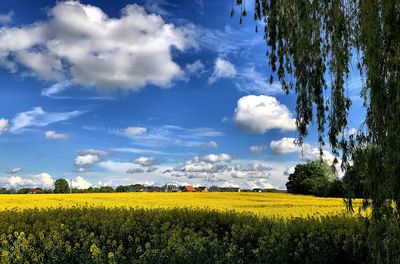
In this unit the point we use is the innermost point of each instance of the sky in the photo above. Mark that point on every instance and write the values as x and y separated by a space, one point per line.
122 92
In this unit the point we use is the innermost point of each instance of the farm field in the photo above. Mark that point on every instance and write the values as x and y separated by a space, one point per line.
269 205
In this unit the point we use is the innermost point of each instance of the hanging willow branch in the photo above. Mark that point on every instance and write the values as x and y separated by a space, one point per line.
313 42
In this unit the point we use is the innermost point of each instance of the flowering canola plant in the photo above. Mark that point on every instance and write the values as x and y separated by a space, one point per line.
280 205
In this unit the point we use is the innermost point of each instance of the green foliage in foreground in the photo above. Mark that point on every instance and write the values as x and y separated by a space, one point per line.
99 235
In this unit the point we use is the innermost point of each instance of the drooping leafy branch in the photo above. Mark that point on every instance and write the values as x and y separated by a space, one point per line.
312 44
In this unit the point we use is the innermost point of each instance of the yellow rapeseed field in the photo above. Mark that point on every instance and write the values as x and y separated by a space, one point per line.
263 204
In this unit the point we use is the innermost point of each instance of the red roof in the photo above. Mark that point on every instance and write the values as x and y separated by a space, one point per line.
189 188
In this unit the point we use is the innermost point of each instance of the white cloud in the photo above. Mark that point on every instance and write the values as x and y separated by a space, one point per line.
43 180
51 134
135 170
222 69
88 157
134 131
196 68
212 144
257 149
306 151
80 183
37 117
218 171
3 125
289 170
14 171
138 151
6 18
351 131
286 145
146 161
55 89
261 113
82 44
168 135
116 166
213 158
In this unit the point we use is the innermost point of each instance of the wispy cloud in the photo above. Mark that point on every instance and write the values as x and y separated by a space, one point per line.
6 18
3 125
37 117
169 135
51 134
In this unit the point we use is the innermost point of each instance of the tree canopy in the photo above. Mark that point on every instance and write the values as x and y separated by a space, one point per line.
61 186
315 178
312 45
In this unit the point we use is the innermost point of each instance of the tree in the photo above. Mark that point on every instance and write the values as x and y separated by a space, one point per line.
313 177
313 40
61 186
312 44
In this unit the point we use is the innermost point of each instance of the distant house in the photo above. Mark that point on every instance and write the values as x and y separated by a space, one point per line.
188 188
257 190
202 189
171 187
36 190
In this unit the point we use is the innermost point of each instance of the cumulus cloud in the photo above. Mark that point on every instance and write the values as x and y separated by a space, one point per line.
261 113
217 169
37 117
14 171
83 44
134 131
80 183
222 69
135 170
306 151
3 125
251 171
141 170
51 134
88 157
213 158
289 170
257 149
151 169
43 180
286 145
146 161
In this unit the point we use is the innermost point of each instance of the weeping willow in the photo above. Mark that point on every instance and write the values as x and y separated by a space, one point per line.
312 47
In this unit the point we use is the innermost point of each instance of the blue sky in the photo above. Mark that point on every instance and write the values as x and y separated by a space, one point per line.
143 92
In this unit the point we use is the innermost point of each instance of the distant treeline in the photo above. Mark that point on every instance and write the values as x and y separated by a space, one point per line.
62 186
99 235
